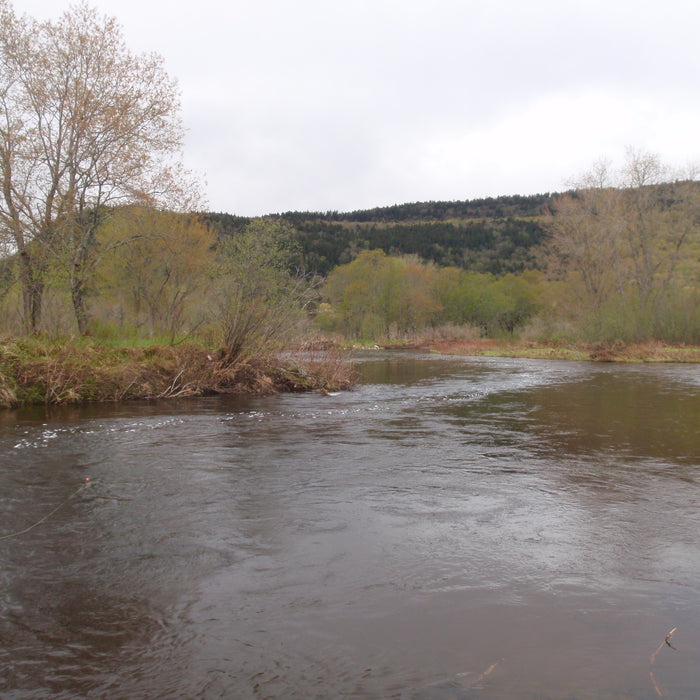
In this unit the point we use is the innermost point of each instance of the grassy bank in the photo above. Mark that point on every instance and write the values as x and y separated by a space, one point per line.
457 340
38 371
35 371
651 351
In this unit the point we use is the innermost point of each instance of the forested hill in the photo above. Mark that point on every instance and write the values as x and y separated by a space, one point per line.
495 234
489 207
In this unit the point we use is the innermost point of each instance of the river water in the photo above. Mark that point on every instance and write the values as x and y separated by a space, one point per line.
454 528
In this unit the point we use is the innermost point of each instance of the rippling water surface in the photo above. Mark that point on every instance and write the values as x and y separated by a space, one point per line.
454 528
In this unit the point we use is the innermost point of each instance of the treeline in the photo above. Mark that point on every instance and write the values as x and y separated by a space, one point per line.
101 234
488 207
611 260
380 296
615 259
493 245
164 276
625 250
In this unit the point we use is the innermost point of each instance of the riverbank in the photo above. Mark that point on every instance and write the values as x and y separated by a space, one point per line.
41 372
650 351
37 371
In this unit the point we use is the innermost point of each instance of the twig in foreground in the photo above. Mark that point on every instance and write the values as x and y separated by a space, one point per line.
487 672
667 642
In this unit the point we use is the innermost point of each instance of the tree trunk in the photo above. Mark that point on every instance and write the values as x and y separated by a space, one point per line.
79 306
32 281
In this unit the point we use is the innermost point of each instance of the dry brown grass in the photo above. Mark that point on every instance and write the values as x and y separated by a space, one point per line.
322 364
8 397
39 372
651 351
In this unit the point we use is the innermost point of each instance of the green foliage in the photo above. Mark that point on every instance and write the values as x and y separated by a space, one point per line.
157 269
359 293
258 302
489 207
493 237
378 296
495 305
622 259
518 300
630 319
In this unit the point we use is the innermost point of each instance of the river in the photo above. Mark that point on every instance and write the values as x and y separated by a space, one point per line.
454 528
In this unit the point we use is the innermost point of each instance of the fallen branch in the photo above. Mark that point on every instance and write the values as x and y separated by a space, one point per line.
486 673
48 515
666 642
170 391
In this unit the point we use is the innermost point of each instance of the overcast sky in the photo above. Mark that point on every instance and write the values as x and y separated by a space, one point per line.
341 105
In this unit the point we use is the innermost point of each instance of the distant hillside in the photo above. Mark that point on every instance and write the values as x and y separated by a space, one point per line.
495 235
489 207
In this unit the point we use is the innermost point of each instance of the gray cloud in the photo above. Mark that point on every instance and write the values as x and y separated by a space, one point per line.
320 104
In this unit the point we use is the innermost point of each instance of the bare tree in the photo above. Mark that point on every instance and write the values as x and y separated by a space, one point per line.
86 125
620 237
584 237
660 212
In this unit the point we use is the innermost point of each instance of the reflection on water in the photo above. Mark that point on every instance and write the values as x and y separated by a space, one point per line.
454 528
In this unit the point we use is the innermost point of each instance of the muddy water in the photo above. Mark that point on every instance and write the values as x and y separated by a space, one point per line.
454 528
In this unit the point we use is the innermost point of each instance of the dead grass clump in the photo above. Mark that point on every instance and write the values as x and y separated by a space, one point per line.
618 351
250 376
76 372
8 397
469 346
648 351
607 352
35 371
325 367
172 372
